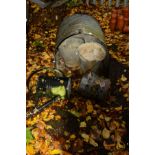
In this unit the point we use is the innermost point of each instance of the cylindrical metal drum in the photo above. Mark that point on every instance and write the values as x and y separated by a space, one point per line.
80 44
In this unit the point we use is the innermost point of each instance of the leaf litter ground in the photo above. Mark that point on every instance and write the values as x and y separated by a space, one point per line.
77 126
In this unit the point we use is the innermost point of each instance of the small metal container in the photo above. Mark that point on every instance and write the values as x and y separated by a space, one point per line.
94 87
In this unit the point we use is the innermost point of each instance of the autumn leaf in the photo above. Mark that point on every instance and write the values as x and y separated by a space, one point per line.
37 36
55 152
30 150
85 136
89 107
29 136
41 50
73 136
75 113
88 118
92 142
123 78
83 124
106 133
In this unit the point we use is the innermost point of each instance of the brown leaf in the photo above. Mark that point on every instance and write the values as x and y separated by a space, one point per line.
89 106
83 124
106 133
123 78
92 142
37 36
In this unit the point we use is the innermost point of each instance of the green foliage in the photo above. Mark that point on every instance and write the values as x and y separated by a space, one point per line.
37 43
39 46
73 3
29 136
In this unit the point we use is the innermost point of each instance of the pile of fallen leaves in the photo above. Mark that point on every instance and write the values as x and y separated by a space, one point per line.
75 126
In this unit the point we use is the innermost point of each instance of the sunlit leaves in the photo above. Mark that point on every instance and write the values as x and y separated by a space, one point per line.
96 123
29 136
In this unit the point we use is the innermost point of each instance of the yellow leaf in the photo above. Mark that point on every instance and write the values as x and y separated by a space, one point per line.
125 95
107 119
72 136
85 136
48 127
66 133
83 124
89 107
36 10
123 78
48 118
30 104
35 133
88 118
30 150
118 108
92 142
55 152
101 117
57 117
126 86
52 43
106 133
120 146
37 36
